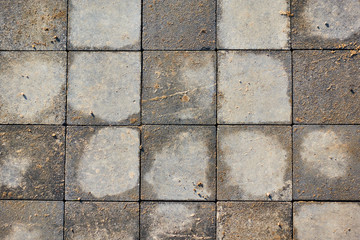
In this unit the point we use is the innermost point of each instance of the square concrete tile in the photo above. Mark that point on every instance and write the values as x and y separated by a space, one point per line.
326 87
173 24
21 220
104 88
178 163
104 25
258 24
179 87
254 220
254 87
101 220
326 221
326 162
97 170
254 163
32 162
33 25
177 221
325 24
32 87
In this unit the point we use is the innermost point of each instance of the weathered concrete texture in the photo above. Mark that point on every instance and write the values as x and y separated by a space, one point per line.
325 24
177 221
326 221
33 24
254 163
32 87
251 220
32 162
104 25
96 169
105 220
179 87
326 87
178 163
173 24
258 24
326 162
28 220
104 88
254 87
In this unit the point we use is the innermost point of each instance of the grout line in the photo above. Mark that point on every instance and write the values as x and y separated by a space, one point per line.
216 120
141 109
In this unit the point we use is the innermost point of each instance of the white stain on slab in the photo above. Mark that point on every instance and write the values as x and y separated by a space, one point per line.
20 231
12 171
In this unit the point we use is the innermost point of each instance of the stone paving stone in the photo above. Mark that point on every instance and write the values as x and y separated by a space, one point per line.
326 162
326 221
104 88
258 24
254 163
29 220
102 220
32 162
32 87
254 87
326 87
325 24
33 24
178 163
97 170
179 87
177 221
104 25
254 220
173 24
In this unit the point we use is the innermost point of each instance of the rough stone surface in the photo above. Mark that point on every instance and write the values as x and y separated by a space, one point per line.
177 221
32 162
173 24
254 163
178 163
179 87
28 220
326 87
32 87
251 220
33 24
258 24
104 25
326 162
254 87
105 220
330 221
325 24
98 170
104 88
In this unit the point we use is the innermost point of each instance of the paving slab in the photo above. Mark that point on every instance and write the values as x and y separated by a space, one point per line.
97 170
326 162
33 25
178 163
254 220
258 24
326 221
104 88
254 163
177 221
32 87
172 24
254 87
179 88
32 162
104 25
325 24
326 87
101 220
29 220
